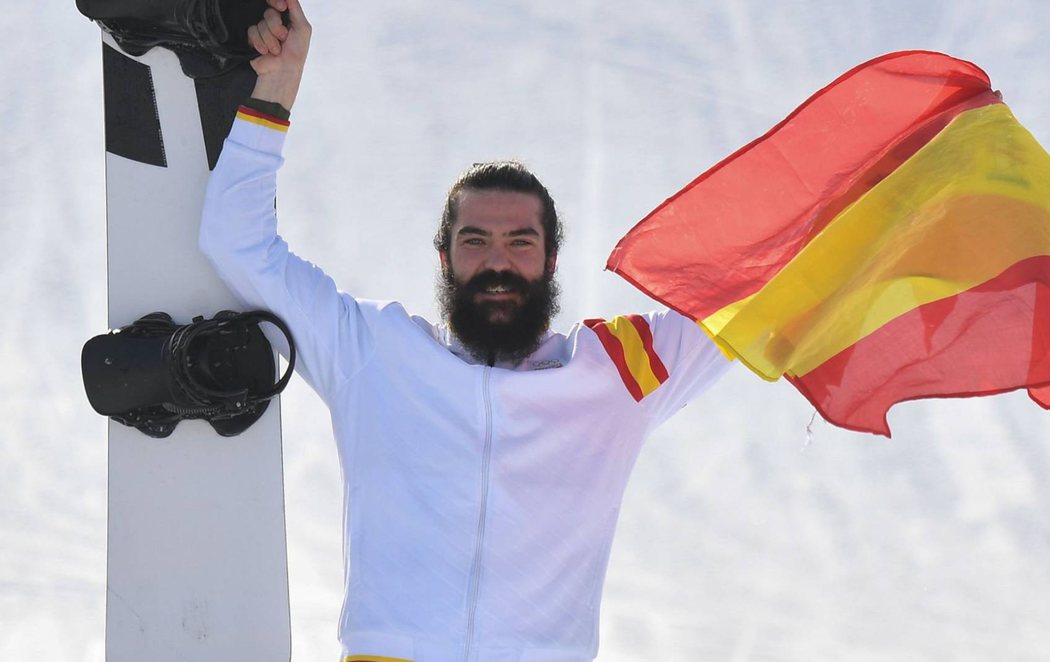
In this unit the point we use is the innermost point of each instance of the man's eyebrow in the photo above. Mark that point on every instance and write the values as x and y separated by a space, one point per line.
473 229
531 232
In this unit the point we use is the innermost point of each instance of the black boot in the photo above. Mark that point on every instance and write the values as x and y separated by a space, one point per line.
209 36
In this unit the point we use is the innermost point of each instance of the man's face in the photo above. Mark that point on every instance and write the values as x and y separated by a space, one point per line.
498 293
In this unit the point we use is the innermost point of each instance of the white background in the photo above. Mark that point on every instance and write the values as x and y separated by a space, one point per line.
741 537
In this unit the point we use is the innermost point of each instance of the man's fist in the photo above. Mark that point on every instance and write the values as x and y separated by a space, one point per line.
282 51
267 35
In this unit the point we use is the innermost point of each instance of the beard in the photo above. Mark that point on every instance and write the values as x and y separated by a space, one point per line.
499 330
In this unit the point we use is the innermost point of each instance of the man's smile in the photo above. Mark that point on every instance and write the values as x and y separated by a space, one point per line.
499 293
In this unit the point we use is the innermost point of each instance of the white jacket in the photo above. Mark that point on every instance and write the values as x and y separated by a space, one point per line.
480 502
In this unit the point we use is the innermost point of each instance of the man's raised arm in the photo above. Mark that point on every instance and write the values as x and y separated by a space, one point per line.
282 52
239 221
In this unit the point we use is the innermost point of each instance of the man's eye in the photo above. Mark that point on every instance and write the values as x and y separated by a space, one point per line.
474 241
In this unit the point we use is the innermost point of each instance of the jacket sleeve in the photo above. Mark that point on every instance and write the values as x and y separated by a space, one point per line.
239 236
663 359
692 360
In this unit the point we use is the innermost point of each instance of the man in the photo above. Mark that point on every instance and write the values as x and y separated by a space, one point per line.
485 458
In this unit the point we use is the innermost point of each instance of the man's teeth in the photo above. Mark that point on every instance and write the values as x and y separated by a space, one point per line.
497 289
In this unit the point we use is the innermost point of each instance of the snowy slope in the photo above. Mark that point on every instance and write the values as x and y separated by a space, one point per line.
741 538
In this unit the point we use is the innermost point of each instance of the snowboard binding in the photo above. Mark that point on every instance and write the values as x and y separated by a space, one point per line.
210 37
154 373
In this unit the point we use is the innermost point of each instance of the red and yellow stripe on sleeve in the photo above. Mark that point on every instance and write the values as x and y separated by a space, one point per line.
889 240
629 342
262 119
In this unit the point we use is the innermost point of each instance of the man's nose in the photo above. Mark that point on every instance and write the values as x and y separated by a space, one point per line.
497 258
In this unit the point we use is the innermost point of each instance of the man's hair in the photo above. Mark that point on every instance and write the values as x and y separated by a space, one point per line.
500 176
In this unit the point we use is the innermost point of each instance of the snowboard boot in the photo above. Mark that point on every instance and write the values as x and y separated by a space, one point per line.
210 37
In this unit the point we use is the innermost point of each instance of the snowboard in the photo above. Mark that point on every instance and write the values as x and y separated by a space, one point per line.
196 560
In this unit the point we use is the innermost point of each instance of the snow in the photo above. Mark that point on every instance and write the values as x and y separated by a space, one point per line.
740 539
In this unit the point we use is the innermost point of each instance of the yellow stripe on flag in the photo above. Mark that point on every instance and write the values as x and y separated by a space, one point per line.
634 353
722 345
972 202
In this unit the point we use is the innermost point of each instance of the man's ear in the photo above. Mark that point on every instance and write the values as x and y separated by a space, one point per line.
552 263
443 256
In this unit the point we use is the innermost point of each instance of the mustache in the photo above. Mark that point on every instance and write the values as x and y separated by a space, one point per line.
486 279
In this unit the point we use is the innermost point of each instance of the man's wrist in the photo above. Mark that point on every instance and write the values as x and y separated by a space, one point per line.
276 89
271 108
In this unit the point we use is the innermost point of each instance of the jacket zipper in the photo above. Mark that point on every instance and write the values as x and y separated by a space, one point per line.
475 574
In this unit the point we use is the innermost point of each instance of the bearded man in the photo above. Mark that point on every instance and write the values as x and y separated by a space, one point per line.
498 294
484 458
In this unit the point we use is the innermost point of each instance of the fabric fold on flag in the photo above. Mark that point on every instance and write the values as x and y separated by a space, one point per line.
889 240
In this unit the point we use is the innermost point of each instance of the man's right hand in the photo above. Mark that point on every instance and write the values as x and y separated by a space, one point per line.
282 52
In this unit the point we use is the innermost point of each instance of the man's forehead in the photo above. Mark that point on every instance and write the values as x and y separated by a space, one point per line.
476 207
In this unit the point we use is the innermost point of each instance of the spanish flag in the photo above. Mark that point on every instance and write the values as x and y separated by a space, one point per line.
889 240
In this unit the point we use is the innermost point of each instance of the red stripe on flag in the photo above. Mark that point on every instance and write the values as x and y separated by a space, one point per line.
1040 347
614 349
1041 396
989 339
646 334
